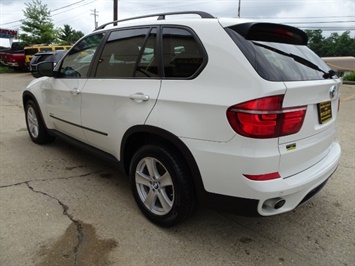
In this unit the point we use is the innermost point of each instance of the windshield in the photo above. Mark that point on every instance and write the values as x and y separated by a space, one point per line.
275 66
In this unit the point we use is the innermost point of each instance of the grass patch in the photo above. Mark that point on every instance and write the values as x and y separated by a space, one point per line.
5 69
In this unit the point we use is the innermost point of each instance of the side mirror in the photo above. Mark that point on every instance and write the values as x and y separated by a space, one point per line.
45 69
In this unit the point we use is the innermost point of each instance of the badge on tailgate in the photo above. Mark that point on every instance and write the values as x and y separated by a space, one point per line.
325 112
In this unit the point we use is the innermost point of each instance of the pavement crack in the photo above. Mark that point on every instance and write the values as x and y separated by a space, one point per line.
79 228
50 179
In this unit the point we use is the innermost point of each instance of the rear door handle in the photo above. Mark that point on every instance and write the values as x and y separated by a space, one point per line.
139 97
75 91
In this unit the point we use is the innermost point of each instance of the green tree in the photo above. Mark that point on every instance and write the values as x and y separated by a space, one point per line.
345 45
315 40
329 45
37 25
334 45
67 35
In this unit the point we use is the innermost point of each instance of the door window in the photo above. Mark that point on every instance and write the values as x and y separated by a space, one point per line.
120 56
182 55
148 63
77 62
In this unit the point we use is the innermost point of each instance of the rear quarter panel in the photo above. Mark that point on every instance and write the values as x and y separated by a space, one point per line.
196 108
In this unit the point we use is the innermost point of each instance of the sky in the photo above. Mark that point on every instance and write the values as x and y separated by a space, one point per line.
327 15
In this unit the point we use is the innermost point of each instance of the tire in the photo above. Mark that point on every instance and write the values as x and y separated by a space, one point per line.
161 186
35 125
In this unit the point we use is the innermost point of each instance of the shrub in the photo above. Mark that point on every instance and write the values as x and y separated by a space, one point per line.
349 77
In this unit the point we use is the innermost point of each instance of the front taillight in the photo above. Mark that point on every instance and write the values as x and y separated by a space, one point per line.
265 118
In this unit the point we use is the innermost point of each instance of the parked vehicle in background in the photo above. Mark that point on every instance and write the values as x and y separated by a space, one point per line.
30 51
52 56
15 60
218 111
13 57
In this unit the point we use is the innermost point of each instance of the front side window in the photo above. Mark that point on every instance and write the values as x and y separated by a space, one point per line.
182 54
77 62
128 53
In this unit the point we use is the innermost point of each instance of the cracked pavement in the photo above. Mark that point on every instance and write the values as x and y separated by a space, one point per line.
61 206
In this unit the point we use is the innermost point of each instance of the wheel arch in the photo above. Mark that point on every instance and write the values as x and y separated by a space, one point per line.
139 135
28 96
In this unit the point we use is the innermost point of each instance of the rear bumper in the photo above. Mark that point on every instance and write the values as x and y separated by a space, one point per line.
226 188
247 207
13 64
301 187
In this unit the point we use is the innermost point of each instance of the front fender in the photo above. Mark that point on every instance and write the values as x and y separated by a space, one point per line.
35 91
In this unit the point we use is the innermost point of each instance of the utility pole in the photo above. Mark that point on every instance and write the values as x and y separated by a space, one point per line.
115 11
96 14
239 9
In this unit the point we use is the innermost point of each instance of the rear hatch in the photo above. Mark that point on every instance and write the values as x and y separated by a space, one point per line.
312 143
279 53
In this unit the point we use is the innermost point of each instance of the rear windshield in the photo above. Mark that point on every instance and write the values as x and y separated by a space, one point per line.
271 60
44 57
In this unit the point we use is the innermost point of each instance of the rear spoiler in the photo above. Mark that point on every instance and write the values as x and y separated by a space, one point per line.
270 32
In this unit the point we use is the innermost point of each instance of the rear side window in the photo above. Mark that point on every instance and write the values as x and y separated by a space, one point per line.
120 56
273 60
46 57
147 65
182 54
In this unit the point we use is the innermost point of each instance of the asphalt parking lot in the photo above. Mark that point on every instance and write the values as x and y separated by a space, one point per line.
61 206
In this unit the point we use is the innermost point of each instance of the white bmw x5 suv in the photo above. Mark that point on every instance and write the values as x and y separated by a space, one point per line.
229 113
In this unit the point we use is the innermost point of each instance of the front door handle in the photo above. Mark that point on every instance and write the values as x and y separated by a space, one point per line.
139 97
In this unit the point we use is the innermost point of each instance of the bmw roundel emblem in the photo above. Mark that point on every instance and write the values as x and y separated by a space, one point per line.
333 92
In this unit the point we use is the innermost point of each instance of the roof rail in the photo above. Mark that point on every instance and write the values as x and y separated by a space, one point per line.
161 16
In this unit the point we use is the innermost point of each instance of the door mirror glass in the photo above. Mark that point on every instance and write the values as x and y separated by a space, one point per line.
45 69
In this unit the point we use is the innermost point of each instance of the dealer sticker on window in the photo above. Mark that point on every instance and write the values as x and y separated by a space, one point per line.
324 112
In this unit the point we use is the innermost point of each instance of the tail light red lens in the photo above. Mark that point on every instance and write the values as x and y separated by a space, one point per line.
265 118
263 177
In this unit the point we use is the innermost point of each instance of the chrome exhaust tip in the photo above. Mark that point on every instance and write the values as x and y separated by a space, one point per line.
275 203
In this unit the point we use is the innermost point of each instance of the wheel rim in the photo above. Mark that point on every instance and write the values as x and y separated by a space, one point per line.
32 122
155 186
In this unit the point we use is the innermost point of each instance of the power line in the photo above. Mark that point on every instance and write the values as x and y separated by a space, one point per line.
65 11
68 5
60 8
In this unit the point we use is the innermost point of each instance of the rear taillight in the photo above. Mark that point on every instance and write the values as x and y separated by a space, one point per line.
265 118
